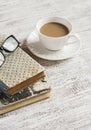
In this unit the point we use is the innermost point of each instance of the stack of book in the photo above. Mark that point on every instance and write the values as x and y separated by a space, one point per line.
22 81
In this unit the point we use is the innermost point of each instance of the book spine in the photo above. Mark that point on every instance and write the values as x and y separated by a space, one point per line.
3 87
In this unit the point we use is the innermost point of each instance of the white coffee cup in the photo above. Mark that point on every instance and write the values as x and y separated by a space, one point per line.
56 43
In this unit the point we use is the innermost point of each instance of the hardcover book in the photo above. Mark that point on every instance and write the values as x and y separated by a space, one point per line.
33 93
19 71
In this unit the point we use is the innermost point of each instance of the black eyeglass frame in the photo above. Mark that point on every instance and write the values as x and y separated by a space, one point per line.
6 50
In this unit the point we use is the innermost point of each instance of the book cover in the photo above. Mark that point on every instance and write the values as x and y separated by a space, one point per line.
33 93
18 71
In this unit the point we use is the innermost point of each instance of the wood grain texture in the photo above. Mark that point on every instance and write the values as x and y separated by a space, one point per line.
69 107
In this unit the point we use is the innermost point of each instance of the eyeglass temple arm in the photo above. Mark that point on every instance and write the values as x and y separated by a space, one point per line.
1 48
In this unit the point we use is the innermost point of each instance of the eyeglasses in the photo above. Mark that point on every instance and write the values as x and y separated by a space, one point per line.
9 45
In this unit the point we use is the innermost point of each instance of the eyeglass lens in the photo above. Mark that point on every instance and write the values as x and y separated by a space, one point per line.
10 44
1 58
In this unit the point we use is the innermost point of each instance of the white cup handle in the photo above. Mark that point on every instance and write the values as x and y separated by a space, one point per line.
74 38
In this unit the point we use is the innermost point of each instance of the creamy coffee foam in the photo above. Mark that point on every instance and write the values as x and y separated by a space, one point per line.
53 29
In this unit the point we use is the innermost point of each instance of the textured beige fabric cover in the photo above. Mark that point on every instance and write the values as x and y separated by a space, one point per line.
18 67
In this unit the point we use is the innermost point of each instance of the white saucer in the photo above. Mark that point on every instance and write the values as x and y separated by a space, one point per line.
39 51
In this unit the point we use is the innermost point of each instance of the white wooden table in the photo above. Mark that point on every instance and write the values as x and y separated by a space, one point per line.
69 107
